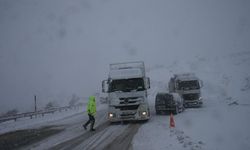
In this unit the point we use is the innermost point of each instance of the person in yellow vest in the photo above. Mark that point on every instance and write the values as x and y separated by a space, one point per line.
91 110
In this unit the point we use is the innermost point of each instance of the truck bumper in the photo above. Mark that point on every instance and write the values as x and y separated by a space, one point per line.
128 116
194 103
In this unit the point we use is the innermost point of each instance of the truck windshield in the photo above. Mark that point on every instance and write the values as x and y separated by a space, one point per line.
127 85
188 85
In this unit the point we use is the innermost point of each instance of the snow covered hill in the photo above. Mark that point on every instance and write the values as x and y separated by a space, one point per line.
221 124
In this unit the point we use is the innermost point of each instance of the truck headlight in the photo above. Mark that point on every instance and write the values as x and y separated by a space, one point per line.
144 113
200 98
111 115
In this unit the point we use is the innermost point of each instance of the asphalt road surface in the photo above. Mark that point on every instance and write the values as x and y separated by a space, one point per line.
68 134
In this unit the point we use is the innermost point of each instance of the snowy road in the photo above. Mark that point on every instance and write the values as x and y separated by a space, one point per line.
73 136
110 137
74 142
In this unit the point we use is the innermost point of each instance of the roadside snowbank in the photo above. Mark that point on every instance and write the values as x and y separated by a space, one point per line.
57 118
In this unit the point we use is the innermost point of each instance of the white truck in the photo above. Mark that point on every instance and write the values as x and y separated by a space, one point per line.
127 92
189 87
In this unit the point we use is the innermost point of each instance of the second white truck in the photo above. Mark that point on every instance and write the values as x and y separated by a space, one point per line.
188 85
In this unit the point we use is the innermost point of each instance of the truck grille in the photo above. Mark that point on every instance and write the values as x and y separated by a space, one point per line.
191 96
129 100
130 107
127 116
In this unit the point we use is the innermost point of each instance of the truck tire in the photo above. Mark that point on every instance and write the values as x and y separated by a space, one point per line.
182 108
157 112
176 111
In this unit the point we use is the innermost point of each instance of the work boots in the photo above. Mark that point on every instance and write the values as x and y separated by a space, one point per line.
92 126
84 126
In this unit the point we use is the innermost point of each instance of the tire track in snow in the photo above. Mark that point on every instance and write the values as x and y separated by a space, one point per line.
72 143
106 137
123 141
112 138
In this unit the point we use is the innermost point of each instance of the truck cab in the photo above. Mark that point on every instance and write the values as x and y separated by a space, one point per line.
127 92
189 87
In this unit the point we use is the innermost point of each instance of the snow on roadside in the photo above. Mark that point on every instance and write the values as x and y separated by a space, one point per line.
222 123
35 122
210 127
57 118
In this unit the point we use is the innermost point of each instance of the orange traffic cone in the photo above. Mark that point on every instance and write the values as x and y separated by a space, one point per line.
172 123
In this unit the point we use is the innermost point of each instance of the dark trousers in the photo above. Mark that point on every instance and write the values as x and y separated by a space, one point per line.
91 121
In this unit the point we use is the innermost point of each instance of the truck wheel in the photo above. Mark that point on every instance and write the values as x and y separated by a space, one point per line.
176 110
157 112
182 108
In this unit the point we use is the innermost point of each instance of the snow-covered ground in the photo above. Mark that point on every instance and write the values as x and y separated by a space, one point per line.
223 121
70 121
215 126
57 118
26 123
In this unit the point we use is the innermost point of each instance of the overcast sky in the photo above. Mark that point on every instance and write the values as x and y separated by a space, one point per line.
54 48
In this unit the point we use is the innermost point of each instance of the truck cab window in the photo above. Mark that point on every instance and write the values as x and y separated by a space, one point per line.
127 85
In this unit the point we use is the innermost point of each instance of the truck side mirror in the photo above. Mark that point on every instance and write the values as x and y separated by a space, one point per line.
147 83
201 83
105 86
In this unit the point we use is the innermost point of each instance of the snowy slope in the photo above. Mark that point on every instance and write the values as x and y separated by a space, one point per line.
223 123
